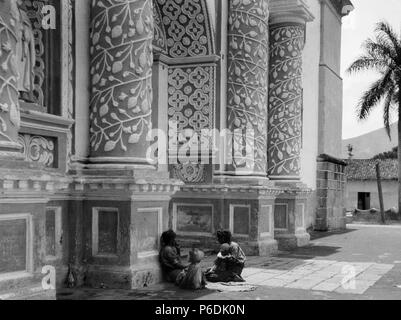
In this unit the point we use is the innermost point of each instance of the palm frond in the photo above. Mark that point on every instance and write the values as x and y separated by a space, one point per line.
386 32
374 95
365 63
380 50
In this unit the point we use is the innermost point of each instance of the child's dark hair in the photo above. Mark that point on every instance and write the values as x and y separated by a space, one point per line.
168 238
224 236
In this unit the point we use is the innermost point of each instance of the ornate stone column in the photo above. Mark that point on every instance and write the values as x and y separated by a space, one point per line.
247 79
121 72
287 37
9 105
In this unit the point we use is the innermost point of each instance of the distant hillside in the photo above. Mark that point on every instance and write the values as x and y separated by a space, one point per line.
371 144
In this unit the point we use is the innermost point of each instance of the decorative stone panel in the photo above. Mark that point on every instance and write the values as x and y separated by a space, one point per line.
187 27
191 173
38 149
192 97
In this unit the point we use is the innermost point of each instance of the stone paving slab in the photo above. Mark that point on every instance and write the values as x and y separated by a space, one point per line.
316 275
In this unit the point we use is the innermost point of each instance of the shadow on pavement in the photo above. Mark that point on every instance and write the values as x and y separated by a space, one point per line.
163 291
310 252
315 235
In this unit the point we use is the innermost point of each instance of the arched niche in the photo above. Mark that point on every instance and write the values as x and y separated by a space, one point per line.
184 41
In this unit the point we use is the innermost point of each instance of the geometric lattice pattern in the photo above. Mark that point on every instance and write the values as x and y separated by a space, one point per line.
187 27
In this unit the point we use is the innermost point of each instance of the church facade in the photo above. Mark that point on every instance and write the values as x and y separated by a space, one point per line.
122 119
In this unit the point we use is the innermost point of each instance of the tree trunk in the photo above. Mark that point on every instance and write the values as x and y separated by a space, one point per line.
399 152
380 190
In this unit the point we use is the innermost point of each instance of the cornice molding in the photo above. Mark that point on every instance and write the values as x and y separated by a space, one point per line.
284 11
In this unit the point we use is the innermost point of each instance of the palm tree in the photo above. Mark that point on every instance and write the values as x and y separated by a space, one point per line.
383 54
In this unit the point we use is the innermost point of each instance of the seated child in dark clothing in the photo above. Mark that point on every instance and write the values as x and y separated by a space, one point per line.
220 264
193 277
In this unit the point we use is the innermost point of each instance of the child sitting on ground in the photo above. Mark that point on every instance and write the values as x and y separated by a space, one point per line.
220 263
193 278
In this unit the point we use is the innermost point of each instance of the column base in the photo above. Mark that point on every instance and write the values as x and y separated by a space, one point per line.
261 248
114 277
126 277
292 241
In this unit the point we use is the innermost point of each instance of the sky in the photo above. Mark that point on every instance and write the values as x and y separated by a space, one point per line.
357 27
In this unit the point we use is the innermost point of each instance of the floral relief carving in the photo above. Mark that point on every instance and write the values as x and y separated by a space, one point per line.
9 106
187 27
248 40
285 100
190 173
38 149
121 70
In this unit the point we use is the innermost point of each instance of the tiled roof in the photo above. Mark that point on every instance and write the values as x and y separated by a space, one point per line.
366 169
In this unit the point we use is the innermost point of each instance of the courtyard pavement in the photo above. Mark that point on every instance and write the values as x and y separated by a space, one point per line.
363 262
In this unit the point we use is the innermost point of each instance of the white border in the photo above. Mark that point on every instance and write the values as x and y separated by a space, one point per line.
159 211
271 222
232 209
29 246
95 231
175 217
286 213
302 205
58 232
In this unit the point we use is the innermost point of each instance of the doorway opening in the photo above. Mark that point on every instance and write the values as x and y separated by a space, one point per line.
363 200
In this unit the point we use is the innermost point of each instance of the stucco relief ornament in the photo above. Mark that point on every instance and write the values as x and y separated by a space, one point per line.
247 82
9 107
38 149
190 173
121 69
187 27
285 100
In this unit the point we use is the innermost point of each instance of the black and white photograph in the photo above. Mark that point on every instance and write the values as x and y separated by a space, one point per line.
202 151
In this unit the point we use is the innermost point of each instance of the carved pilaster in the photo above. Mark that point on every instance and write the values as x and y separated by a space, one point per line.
247 81
121 72
9 105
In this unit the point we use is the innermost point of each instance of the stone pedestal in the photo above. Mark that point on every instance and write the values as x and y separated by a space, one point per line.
290 217
122 221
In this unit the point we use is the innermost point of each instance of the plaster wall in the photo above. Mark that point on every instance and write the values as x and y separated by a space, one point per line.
310 80
331 90
211 7
389 194
82 14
